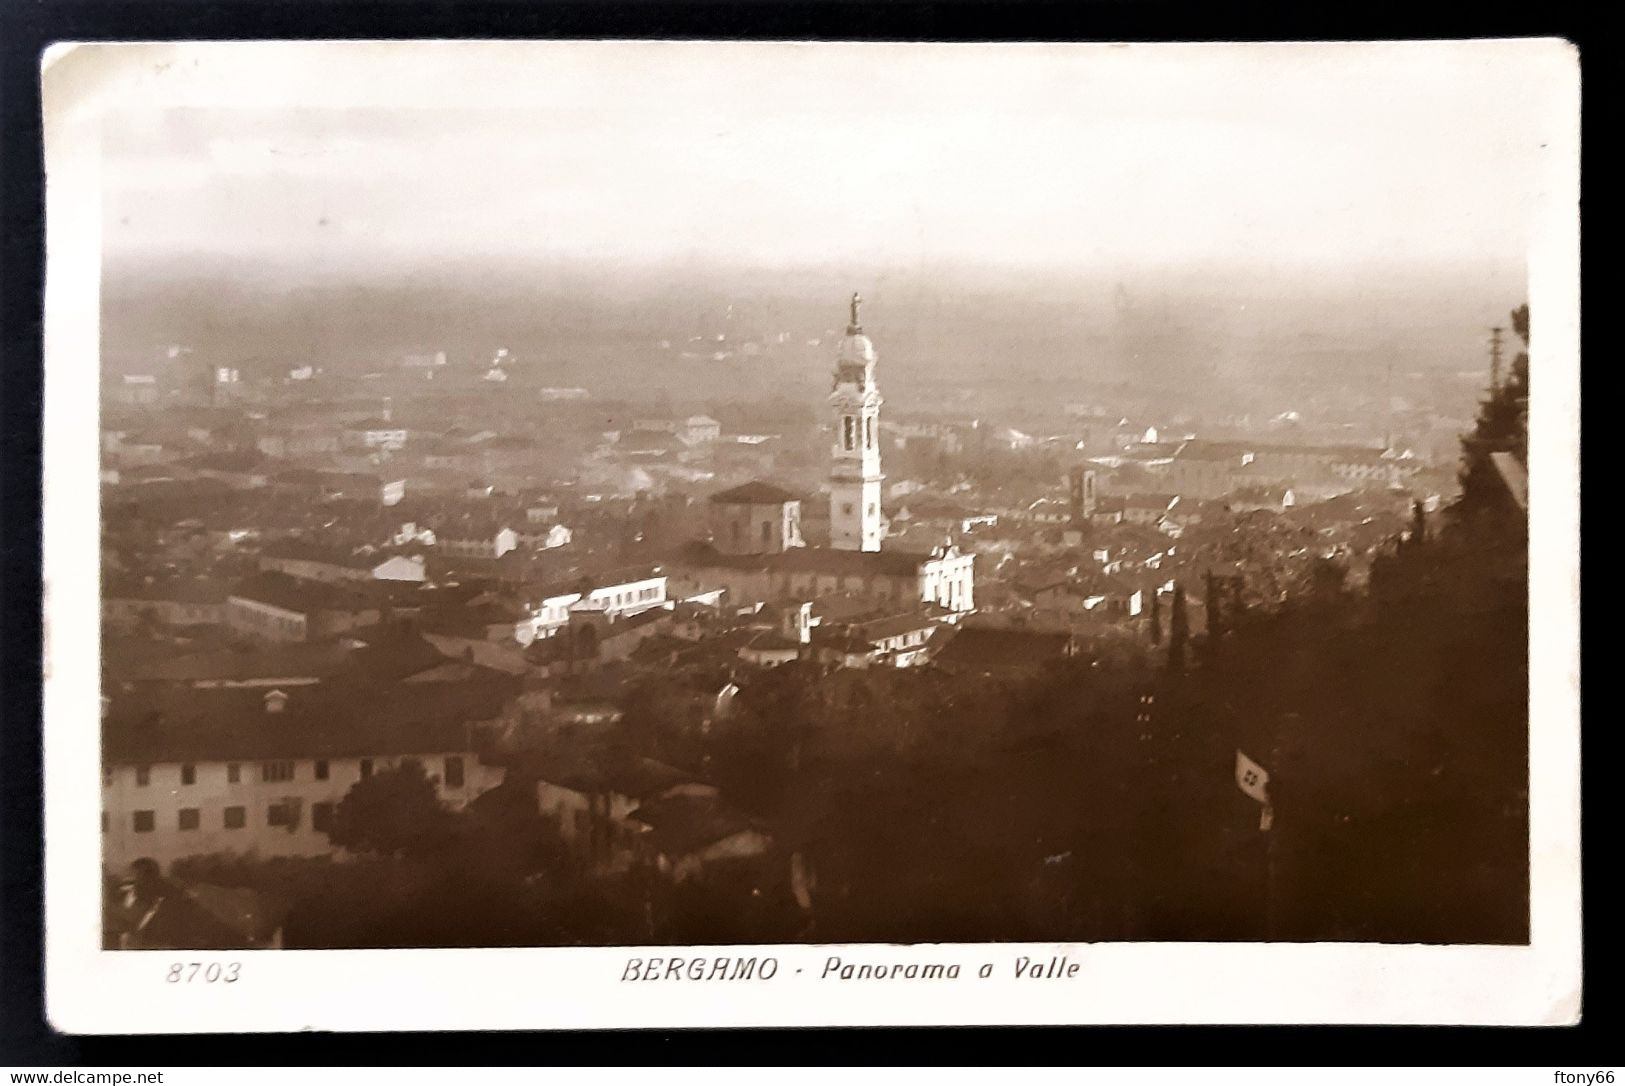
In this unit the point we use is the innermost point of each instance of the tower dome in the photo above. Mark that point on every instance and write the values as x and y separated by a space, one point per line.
855 349
855 357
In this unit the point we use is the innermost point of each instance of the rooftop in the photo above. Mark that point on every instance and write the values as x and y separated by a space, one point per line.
681 825
172 591
339 719
895 625
301 660
292 594
755 492
982 649
599 769
586 583
1199 449
299 550
809 560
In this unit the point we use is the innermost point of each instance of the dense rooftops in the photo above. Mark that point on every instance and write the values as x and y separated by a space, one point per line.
1197 449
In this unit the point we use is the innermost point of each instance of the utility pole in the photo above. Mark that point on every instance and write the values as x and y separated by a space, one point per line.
1495 356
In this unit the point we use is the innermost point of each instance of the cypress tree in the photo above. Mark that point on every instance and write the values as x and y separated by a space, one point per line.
1215 612
1178 632
1156 617
1238 603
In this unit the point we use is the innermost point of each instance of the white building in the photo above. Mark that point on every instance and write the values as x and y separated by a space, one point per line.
456 539
544 537
619 595
701 430
137 390
260 772
374 434
854 495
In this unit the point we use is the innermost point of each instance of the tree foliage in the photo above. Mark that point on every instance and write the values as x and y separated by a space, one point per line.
395 812
1502 426
1179 631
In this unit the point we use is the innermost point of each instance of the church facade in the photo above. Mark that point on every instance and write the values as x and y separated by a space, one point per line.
763 559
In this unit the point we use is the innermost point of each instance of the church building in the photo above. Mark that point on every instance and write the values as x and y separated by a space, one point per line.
756 551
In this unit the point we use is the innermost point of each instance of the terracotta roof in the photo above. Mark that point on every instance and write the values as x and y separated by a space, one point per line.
1199 449
228 462
339 719
194 592
304 597
648 441
604 579
895 626
293 661
771 641
189 918
1214 450
298 550
597 770
982 649
809 560
755 492
681 825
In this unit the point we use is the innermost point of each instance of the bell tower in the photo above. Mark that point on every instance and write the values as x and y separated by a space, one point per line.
854 491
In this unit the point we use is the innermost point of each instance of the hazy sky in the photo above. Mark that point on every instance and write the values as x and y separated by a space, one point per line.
1047 156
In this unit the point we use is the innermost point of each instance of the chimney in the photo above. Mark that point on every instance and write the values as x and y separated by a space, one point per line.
276 701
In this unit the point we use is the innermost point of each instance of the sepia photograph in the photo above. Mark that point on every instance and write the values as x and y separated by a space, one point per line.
860 499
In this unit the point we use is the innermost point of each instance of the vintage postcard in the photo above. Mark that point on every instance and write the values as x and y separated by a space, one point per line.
664 534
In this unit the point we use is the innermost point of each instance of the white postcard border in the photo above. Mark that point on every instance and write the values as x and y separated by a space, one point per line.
92 991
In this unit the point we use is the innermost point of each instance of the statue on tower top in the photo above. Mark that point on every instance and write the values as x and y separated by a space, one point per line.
854 328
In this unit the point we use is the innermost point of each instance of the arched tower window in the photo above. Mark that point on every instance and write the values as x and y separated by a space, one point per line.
869 432
848 432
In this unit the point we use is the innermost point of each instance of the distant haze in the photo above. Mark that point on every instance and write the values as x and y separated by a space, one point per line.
990 200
